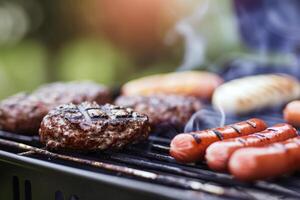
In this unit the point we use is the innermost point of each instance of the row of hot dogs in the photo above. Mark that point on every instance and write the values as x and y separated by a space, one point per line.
249 150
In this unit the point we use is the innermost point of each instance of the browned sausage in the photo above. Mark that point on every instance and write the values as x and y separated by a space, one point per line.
254 163
198 84
191 147
218 154
292 113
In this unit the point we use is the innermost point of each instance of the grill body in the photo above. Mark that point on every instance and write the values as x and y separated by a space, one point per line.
26 179
33 176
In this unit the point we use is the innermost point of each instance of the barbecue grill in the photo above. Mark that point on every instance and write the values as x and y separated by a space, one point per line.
141 171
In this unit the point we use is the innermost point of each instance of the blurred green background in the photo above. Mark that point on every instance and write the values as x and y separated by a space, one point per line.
107 41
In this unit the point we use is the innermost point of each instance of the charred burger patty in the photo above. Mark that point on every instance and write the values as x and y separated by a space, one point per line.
89 127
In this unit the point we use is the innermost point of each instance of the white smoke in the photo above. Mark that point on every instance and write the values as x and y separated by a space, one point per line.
222 114
194 53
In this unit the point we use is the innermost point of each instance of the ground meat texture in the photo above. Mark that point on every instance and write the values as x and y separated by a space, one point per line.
23 113
91 127
163 110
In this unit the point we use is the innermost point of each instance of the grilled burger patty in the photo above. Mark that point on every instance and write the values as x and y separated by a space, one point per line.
89 126
162 109
23 113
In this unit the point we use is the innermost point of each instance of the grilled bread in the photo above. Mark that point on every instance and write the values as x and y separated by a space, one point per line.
253 93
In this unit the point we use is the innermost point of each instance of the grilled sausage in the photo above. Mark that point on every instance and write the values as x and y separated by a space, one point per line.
219 153
292 113
244 95
254 163
191 147
199 84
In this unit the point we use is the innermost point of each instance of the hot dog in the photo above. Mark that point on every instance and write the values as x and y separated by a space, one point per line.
292 113
254 163
219 153
191 147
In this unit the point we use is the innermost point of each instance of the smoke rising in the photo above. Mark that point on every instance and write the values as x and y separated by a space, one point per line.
194 43
206 118
270 31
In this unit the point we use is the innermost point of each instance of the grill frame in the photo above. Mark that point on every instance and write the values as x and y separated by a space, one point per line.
26 166
30 169
34 171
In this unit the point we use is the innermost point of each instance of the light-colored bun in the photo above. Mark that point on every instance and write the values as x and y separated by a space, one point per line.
190 83
253 93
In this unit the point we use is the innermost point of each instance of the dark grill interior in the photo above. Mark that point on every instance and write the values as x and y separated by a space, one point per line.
150 162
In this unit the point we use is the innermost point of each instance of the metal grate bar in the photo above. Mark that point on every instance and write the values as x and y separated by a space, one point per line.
148 175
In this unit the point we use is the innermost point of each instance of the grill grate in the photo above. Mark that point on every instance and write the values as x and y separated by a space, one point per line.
150 162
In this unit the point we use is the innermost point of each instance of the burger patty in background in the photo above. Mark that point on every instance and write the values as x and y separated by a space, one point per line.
23 113
163 110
